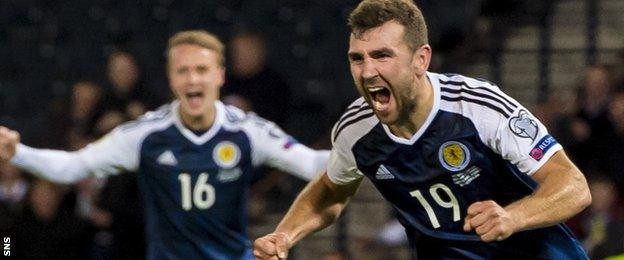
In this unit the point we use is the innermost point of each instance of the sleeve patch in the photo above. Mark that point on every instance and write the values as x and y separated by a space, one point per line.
542 147
523 125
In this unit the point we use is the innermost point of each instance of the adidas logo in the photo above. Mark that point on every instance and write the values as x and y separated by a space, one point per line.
167 158
383 173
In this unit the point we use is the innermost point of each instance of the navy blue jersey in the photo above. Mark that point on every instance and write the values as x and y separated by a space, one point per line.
476 144
195 187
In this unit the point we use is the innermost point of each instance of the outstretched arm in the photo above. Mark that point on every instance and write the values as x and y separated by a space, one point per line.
562 193
53 165
316 207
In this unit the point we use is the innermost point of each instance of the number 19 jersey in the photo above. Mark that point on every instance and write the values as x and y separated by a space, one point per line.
476 144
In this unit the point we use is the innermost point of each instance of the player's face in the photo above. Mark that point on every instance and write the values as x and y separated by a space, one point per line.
195 77
385 71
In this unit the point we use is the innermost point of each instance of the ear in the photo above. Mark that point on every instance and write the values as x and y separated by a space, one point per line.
422 59
221 75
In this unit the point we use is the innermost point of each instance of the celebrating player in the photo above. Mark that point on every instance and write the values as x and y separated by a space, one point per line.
194 158
471 173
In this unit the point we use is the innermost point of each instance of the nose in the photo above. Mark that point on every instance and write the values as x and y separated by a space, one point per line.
369 70
193 77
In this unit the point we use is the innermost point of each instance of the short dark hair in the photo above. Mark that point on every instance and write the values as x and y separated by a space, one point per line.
373 13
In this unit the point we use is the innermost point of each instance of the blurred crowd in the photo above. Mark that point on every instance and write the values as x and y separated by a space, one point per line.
590 126
102 218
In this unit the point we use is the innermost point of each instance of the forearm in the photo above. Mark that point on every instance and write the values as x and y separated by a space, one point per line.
53 165
316 207
560 196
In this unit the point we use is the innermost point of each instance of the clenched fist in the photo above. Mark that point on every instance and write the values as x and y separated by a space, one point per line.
8 142
273 246
491 221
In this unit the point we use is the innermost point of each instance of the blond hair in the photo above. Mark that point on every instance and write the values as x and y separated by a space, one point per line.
373 13
201 38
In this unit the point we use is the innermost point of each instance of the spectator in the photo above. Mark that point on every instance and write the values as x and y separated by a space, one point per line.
614 143
13 188
127 96
591 123
85 99
252 85
49 228
600 227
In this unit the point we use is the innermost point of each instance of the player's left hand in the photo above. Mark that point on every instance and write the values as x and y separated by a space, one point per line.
491 221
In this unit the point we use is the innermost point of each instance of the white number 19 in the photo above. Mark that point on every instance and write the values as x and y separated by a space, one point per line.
433 190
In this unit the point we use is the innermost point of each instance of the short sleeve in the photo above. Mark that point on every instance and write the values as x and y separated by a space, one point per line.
524 141
342 168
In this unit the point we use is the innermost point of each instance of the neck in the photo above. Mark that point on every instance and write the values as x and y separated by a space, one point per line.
202 122
407 127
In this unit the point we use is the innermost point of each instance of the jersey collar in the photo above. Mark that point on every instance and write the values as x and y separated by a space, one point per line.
433 78
199 140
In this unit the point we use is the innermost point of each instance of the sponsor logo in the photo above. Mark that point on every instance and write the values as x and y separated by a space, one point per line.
523 125
454 156
229 175
226 154
466 177
542 147
383 173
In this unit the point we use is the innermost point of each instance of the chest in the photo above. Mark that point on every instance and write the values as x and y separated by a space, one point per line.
224 158
444 152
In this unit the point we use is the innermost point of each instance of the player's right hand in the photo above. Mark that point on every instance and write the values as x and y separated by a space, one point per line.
273 246
8 143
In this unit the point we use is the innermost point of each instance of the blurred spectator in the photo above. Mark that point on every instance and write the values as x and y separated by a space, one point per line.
614 143
121 197
127 96
591 124
49 228
85 99
593 99
13 188
252 85
601 226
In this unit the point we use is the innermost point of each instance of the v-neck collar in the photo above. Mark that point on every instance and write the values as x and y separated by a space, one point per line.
434 110
212 131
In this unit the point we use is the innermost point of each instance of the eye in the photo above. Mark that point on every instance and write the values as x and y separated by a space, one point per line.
182 70
202 69
355 58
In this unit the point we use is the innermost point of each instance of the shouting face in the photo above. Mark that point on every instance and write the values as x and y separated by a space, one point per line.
195 77
386 71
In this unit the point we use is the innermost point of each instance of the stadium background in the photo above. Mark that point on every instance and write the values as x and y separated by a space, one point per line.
562 59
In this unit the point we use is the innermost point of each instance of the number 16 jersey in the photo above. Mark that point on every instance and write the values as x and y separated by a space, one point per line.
476 144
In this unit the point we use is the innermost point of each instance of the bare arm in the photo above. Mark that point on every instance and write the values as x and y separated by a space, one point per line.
316 207
562 193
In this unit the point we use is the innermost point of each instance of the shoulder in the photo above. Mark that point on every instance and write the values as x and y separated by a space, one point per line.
148 122
235 120
357 120
473 98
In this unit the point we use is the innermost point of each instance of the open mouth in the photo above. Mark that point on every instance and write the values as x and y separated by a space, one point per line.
195 98
380 96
